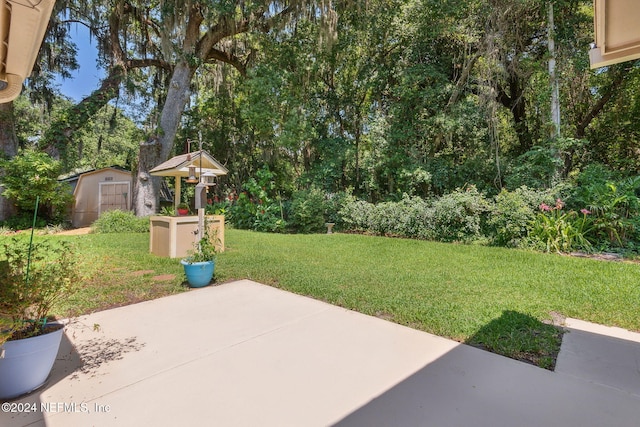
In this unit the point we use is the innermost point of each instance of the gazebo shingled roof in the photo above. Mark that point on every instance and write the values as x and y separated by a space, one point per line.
179 165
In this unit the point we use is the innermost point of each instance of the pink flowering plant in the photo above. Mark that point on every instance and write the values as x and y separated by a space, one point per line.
560 230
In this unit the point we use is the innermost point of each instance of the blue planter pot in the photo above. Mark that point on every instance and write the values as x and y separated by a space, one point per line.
27 363
198 274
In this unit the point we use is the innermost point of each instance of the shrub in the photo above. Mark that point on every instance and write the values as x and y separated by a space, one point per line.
454 217
243 212
595 173
383 218
23 221
615 208
269 217
334 202
31 175
117 221
356 214
409 217
255 208
537 168
560 230
513 213
307 211
218 208
31 281
459 216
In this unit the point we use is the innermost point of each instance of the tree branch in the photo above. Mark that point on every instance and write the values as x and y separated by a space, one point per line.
611 89
147 62
60 133
228 58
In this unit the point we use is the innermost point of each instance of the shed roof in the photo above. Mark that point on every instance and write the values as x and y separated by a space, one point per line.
179 165
75 174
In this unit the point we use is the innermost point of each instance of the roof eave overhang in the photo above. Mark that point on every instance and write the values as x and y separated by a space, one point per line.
22 27
617 33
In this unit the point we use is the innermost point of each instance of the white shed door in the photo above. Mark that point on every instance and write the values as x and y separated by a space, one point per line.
114 195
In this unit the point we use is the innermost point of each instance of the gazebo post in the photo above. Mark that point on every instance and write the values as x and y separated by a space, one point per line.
176 196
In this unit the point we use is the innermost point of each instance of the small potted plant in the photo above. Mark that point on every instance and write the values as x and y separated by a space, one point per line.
33 276
183 209
199 265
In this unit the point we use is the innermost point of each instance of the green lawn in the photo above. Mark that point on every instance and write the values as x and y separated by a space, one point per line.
491 297
447 289
117 269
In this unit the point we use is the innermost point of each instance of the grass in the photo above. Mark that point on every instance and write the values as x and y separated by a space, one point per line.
447 289
495 298
116 269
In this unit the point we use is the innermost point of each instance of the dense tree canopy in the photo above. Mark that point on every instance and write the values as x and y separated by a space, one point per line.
381 98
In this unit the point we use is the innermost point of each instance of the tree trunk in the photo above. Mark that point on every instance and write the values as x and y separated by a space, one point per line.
516 102
8 148
146 188
555 90
357 154
608 92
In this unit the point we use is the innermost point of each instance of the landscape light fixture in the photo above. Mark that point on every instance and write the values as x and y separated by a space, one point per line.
22 27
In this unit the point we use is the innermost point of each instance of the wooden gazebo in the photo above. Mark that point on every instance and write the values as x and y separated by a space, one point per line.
201 162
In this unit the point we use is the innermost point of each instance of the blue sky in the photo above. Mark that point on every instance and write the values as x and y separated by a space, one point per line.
87 77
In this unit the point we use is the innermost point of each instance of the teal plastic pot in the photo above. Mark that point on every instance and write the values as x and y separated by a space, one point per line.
27 363
198 274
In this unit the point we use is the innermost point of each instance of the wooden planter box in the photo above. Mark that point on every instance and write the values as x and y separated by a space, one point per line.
174 236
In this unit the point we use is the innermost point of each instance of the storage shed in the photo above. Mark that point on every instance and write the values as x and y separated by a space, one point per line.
98 191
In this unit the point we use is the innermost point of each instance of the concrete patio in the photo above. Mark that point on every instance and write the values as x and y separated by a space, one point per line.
245 354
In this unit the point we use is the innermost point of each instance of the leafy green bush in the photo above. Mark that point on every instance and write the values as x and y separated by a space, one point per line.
596 173
459 216
356 214
269 217
23 221
256 207
218 208
307 211
513 213
243 212
409 217
615 208
117 221
384 218
32 280
333 205
560 230
31 175
537 168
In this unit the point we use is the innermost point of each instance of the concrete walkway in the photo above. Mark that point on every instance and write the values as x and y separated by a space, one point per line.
244 354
